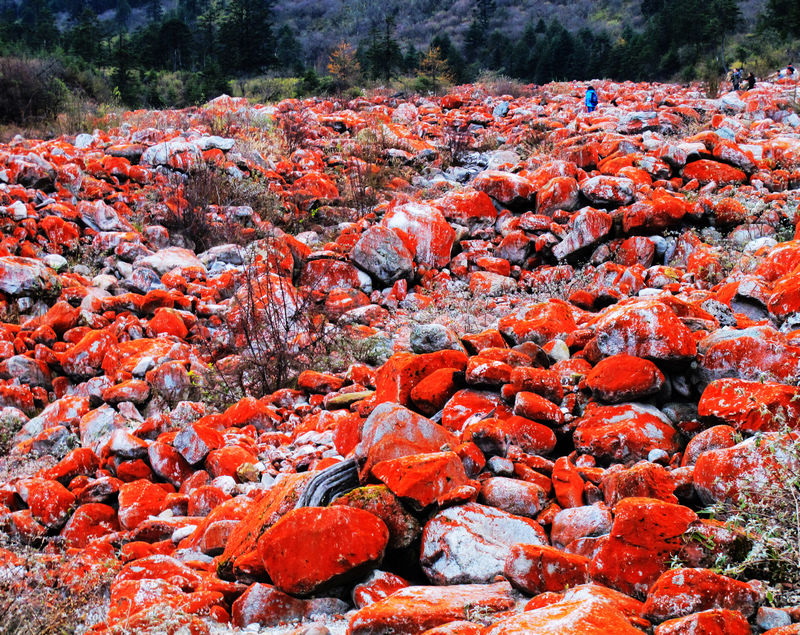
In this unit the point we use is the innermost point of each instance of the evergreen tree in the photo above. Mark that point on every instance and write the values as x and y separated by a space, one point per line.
176 44
384 55
288 50
123 13
783 16
84 38
245 36
154 11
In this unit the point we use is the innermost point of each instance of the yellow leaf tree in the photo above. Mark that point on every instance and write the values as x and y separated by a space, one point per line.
344 67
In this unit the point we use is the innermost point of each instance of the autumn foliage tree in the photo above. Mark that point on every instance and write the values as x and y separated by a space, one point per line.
434 70
344 67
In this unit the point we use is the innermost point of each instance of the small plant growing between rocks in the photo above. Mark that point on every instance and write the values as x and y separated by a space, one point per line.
39 596
767 510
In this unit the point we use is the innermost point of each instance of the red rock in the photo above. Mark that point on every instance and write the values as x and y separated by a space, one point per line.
134 390
426 229
608 190
311 548
415 609
431 394
706 171
378 586
168 464
560 193
505 187
265 605
528 435
467 207
380 501
81 461
315 382
749 354
86 358
535 569
587 226
262 513
227 461
539 323
205 498
532 406
392 431
160 567
421 478
750 406
139 500
88 522
722 474
643 480
469 543
513 496
194 442
50 503
624 378
653 215
712 622
644 328
626 432
711 439
398 376
328 274
646 533
680 592
542 381
381 253
575 523
567 483
458 627
26 276
581 616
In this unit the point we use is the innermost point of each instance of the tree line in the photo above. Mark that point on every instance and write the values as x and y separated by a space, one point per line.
204 44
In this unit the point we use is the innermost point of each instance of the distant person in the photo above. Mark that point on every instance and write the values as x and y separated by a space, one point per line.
736 78
751 81
790 70
591 99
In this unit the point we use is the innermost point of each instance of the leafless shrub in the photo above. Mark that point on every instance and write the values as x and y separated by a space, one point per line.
457 142
293 127
497 84
202 207
30 89
273 331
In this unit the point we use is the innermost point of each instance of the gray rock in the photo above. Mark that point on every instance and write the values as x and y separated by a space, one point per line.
429 338
382 254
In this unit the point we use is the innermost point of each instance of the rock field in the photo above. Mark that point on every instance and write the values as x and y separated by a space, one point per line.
479 366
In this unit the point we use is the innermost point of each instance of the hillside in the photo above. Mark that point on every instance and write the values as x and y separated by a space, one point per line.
397 364
319 23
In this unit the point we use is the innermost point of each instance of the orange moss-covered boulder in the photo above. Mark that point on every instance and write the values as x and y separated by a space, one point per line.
624 378
422 478
645 535
412 610
751 406
538 568
312 548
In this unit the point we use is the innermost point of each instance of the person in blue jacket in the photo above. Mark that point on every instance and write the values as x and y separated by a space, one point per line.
591 99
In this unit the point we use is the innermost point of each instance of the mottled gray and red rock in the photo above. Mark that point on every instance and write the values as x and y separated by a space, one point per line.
469 544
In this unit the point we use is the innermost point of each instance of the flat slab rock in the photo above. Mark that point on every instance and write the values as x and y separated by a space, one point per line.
414 609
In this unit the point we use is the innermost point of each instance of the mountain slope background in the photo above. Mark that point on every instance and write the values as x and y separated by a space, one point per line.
318 23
